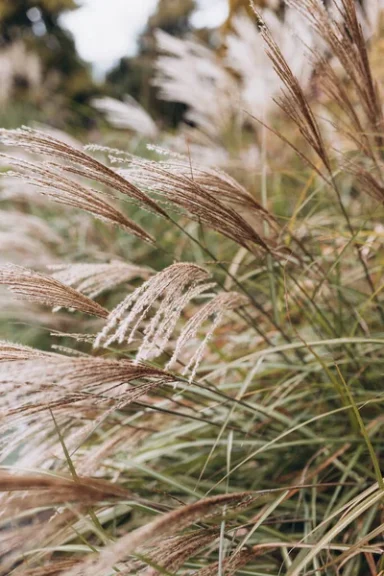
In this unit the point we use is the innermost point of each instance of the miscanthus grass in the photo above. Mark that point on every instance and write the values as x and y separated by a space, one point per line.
191 370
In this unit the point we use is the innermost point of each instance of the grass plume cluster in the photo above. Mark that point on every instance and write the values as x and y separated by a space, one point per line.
195 381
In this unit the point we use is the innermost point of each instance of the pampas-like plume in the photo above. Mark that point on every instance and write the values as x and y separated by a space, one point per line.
37 287
217 183
216 308
10 351
60 489
172 553
28 225
128 115
176 286
294 101
210 201
54 568
50 181
346 41
189 72
32 510
93 279
76 162
163 526
245 55
38 383
231 565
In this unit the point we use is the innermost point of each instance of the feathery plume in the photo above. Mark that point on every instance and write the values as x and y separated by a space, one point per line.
76 162
200 200
161 527
189 72
93 279
127 115
346 41
29 225
37 287
172 553
245 55
16 63
23 249
231 565
50 181
294 101
216 308
176 286
61 488
11 351
54 568
216 182
46 381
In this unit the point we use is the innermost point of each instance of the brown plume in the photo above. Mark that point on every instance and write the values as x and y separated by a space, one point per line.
37 287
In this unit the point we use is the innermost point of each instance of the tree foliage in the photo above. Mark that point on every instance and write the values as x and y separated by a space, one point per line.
67 81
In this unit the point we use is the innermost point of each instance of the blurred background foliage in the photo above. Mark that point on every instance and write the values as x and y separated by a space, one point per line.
43 78
47 79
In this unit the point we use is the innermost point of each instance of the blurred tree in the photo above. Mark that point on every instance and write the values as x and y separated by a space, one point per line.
236 6
133 75
66 79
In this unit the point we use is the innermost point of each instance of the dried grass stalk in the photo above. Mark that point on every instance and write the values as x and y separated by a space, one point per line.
345 39
54 568
294 101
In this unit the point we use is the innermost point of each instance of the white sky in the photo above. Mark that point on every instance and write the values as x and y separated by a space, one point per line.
106 30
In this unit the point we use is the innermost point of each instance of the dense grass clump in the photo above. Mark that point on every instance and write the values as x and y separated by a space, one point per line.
207 397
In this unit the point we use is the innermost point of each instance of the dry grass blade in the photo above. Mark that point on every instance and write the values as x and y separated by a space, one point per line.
161 527
50 181
176 286
94 279
37 287
216 308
